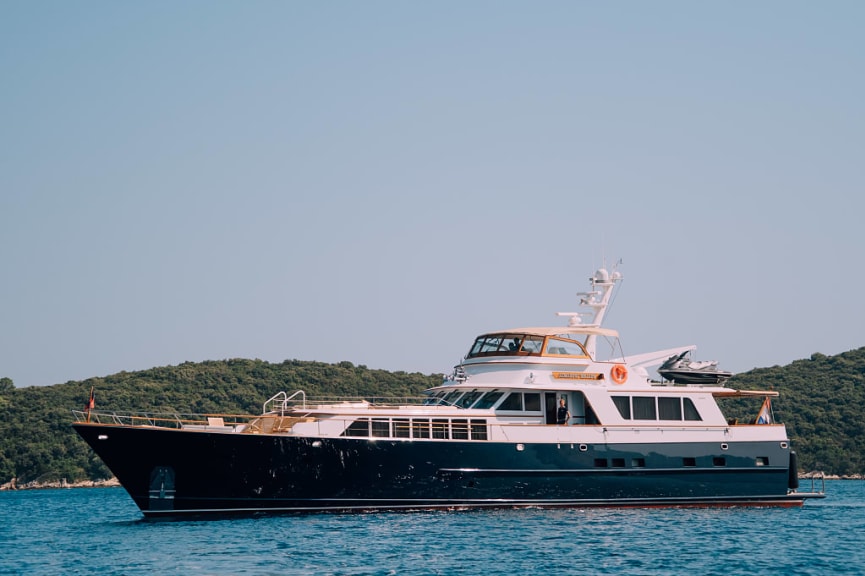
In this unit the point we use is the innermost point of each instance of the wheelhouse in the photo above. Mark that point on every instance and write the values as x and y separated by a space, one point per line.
567 342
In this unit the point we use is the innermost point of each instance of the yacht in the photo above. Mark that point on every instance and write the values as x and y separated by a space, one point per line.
549 416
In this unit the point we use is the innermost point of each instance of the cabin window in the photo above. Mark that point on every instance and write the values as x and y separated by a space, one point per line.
644 408
533 401
381 428
719 461
468 399
358 428
600 462
513 402
690 410
517 401
623 404
689 462
638 462
401 428
420 428
618 462
669 408
440 429
488 399
762 461
479 429
460 429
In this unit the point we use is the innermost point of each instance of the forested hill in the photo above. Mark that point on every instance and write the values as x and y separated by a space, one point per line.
37 441
822 402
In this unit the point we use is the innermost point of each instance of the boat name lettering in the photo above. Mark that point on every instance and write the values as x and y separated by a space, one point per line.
577 376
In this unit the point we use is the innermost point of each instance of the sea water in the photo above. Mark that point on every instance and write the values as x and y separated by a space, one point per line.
100 531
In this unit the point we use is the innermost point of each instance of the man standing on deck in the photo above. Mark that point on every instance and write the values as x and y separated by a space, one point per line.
562 415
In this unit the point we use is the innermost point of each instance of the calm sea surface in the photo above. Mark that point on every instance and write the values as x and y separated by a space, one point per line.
100 531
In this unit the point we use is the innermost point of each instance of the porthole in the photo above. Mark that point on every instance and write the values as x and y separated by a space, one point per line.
520 447
783 445
102 437
583 447
724 446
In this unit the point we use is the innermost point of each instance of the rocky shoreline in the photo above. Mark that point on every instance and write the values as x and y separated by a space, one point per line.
818 475
62 483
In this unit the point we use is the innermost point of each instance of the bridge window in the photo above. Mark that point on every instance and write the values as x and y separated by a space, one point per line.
468 399
433 399
532 344
486 345
488 399
451 398
506 345
562 347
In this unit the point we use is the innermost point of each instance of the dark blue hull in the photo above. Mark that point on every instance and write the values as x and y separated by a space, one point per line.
173 472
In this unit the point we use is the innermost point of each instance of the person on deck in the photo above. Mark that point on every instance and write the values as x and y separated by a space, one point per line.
562 415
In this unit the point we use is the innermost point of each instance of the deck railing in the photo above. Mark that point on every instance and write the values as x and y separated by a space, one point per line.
157 419
279 403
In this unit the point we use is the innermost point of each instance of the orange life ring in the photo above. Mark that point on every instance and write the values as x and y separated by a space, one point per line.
619 373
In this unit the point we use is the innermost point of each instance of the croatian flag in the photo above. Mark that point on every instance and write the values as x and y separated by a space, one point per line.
765 414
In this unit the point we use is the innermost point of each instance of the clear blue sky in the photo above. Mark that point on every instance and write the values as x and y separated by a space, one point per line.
379 182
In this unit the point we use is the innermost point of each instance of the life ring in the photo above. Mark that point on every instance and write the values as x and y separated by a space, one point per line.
619 373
